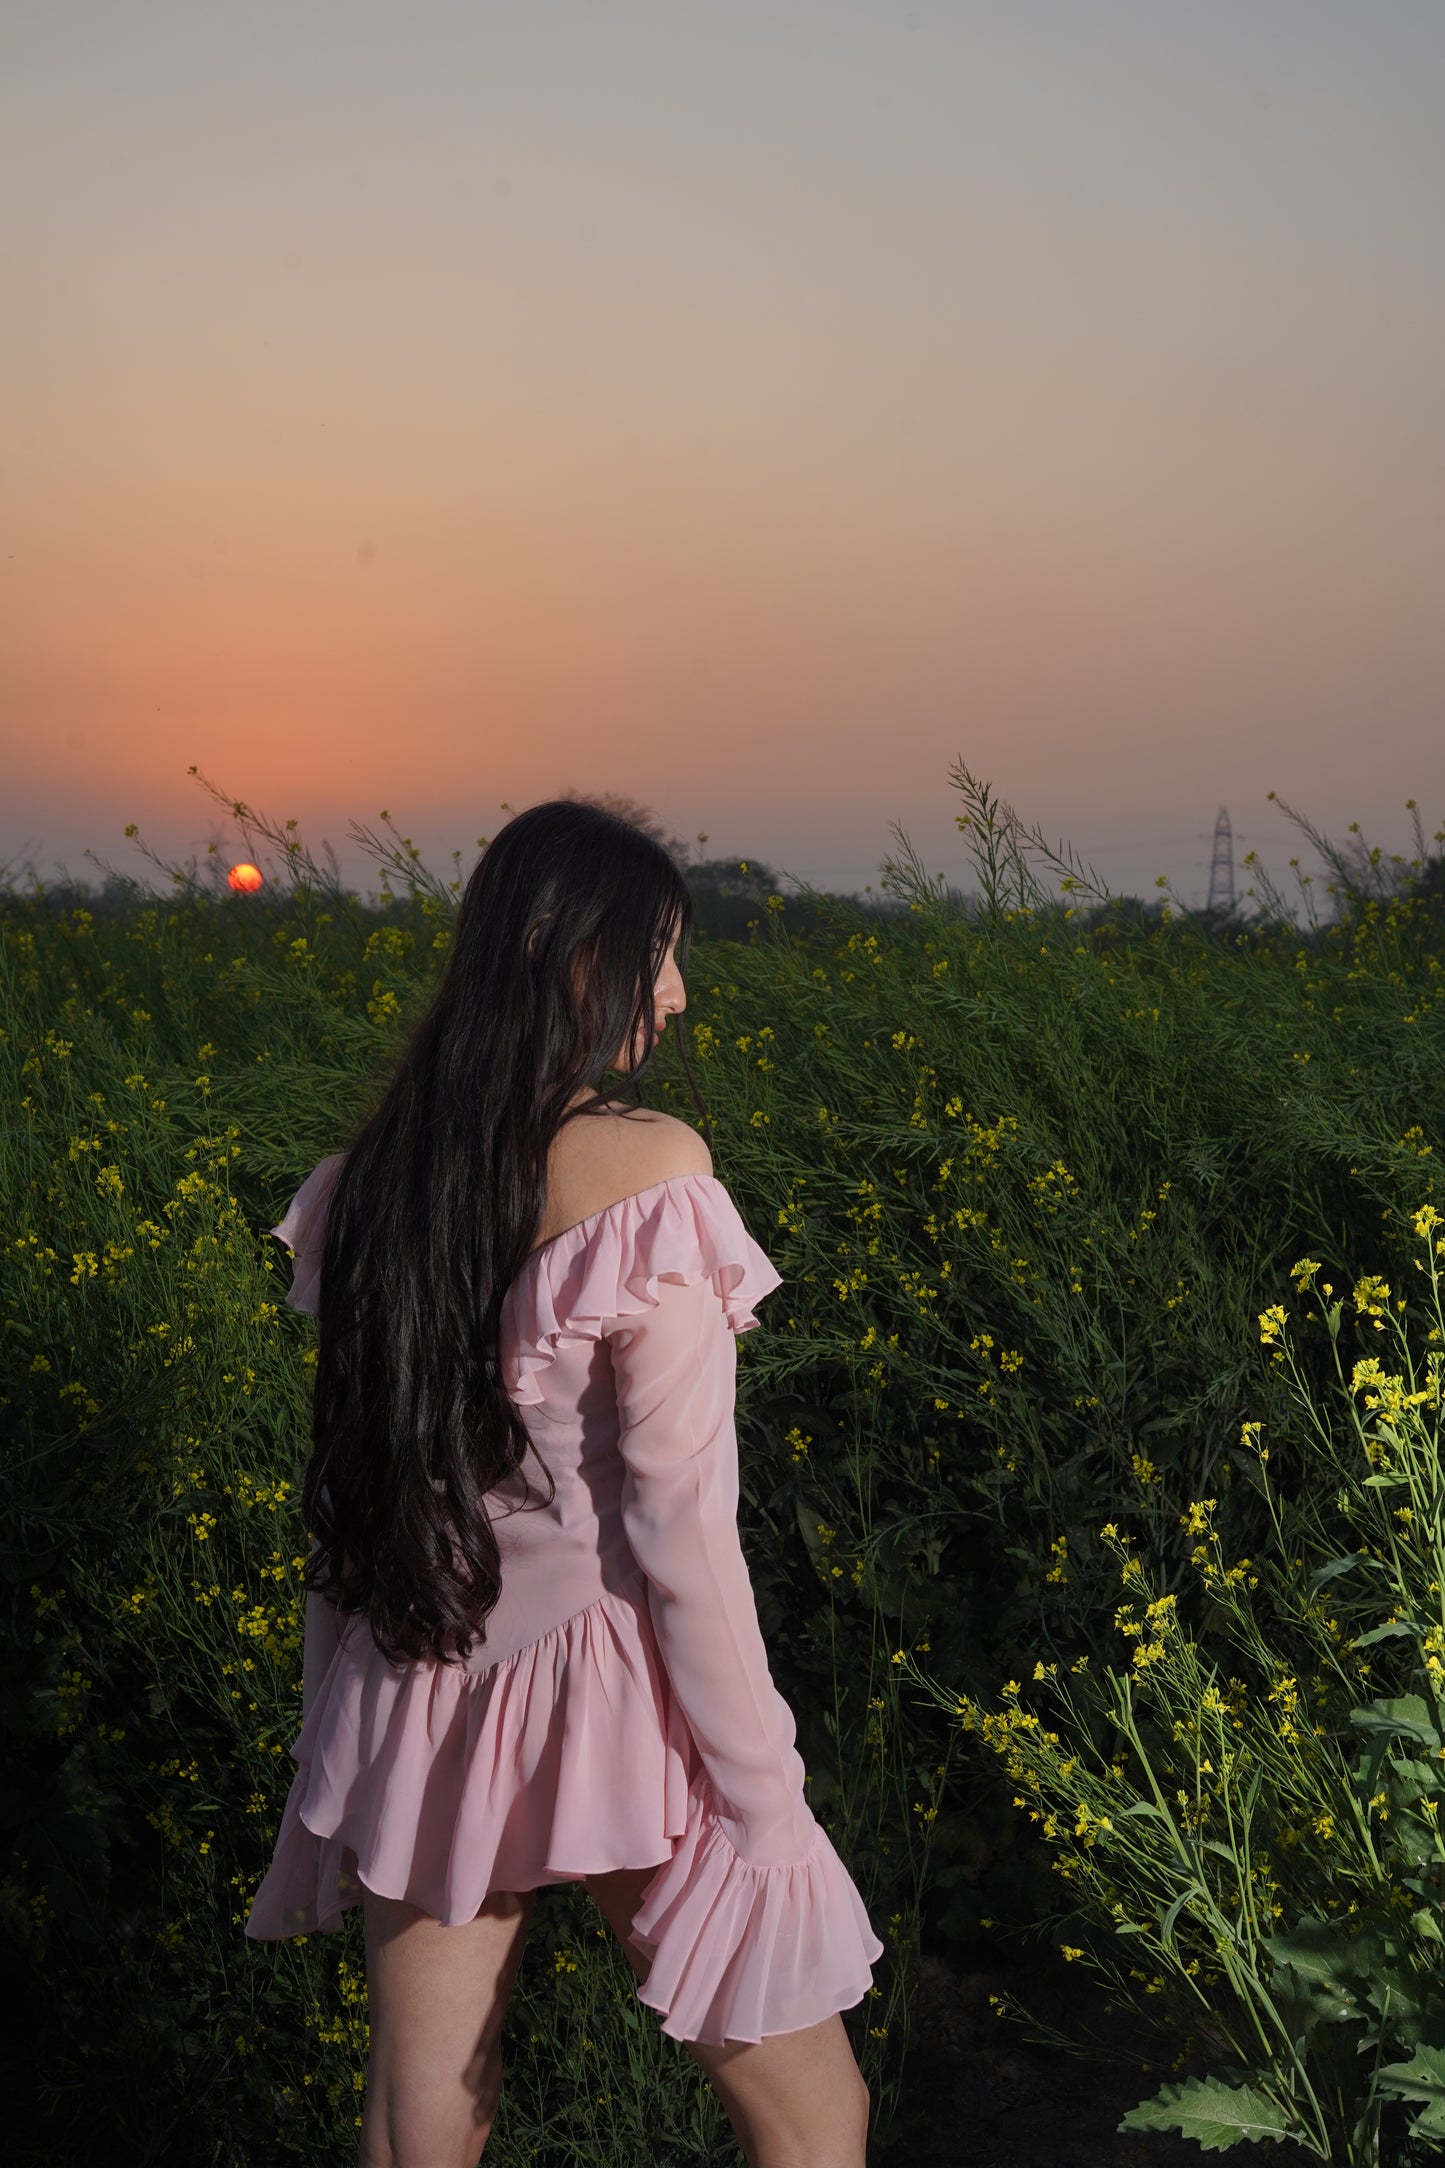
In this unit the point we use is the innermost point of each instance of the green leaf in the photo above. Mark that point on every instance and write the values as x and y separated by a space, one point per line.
1365 1775
1387 1632
1216 2115
1416 1773
1305 2002
1166 1925
1400 2002
1319 1952
1422 2078
1408 1715
1333 1568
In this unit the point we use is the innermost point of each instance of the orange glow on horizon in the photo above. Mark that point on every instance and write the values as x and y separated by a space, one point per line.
245 878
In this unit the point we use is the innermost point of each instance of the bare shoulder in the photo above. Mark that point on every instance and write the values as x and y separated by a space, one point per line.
599 1158
661 1145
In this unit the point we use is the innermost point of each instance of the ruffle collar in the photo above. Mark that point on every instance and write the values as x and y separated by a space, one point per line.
609 1265
603 1267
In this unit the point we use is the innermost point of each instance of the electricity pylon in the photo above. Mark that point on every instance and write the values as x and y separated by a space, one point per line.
1221 867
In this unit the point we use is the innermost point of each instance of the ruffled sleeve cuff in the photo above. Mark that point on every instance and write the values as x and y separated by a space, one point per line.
740 1952
303 1230
609 1267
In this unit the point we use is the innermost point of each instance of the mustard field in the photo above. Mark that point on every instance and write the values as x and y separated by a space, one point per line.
1032 1497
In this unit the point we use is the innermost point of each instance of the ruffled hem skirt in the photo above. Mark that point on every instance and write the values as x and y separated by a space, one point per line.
438 1785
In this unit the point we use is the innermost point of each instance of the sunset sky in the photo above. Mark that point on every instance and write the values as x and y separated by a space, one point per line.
746 408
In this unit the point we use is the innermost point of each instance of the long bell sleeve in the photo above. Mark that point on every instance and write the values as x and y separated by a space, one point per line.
754 1927
674 1369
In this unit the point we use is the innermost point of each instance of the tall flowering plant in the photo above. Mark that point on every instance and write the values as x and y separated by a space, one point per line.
1246 1808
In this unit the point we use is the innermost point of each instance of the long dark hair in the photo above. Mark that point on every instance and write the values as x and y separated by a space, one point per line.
561 931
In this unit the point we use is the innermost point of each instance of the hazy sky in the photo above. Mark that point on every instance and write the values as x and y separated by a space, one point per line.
745 408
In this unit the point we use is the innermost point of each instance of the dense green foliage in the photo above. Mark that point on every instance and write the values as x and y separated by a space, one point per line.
1026 1171
1244 1806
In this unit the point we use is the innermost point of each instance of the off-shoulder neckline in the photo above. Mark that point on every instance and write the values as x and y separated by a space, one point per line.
633 1197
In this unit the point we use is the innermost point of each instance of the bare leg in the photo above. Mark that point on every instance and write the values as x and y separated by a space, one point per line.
437 1998
796 2099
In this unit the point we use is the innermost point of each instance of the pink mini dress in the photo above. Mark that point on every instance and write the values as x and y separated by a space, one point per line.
620 1712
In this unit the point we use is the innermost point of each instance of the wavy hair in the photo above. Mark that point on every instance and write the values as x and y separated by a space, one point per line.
561 931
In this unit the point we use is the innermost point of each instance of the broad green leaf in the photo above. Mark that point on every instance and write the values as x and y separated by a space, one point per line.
1388 1632
1214 2114
1306 2002
1422 2078
1320 1952
1397 1997
1419 1774
1408 1715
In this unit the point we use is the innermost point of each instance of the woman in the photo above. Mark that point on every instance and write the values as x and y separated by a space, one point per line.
532 1653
